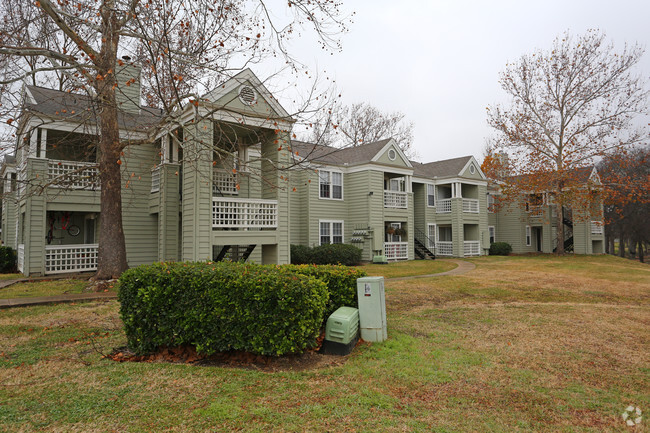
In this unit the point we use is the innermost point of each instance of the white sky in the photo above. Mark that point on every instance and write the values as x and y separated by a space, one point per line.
438 61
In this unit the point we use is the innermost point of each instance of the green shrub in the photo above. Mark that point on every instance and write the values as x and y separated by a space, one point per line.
301 255
326 254
500 249
341 283
7 260
216 307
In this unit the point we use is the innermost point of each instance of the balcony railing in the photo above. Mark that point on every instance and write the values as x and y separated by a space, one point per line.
155 179
396 250
472 248
60 259
444 248
470 205
443 206
244 213
21 258
72 174
224 182
596 227
396 199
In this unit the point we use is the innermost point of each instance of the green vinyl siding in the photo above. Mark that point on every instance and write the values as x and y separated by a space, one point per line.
260 108
398 161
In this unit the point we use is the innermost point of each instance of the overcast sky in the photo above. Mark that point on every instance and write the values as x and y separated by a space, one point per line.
438 62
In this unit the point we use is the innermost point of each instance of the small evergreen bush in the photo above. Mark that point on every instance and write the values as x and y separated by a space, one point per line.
341 283
7 260
326 254
500 249
216 307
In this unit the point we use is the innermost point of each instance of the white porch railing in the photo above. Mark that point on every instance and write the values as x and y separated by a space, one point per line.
21 258
72 174
472 248
443 206
396 199
61 259
223 182
470 205
396 250
596 227
445 248
244 213
155 179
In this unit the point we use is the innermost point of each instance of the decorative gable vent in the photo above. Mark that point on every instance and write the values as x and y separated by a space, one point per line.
392 154
247 95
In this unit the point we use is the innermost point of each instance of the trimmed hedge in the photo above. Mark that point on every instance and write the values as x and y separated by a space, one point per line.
341 283
326 254
7 260
500 249
216 307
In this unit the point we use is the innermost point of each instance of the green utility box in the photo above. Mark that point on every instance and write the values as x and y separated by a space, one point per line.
372 308
341 331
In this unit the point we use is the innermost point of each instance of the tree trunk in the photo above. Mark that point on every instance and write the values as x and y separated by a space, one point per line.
621 245
631 244
112 247
640 250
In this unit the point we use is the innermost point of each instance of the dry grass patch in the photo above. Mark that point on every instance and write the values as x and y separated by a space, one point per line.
409 268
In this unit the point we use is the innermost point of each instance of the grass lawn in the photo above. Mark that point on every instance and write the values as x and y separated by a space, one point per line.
407 269
10 276
519 344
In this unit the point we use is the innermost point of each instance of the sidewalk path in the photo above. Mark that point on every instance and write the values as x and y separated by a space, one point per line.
43 300
463 268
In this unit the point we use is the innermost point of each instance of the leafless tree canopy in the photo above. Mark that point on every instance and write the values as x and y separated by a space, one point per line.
569 105
358 124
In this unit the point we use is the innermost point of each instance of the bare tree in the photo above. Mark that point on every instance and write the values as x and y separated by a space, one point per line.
358 124
570 105
186 48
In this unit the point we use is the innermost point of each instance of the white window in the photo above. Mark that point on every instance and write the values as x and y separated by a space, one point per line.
396 184
331 232
393 237
490 203
431 234
493 236
431 196
331 184
528 236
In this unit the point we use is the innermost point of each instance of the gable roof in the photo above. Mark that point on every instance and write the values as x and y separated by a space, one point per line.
79 108
339 156
445 168
239 79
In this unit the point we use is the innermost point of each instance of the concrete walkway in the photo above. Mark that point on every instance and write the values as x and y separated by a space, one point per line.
44 300
463 268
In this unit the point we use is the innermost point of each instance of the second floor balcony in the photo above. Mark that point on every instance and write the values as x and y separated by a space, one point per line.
396 199
244 214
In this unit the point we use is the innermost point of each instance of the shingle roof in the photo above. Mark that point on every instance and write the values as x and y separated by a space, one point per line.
81 108
578 176
338 156
445 168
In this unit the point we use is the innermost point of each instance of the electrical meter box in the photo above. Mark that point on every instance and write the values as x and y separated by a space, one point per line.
341 331
372 308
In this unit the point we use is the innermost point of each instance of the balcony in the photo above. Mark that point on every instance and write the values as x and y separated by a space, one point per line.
237 213
63 259
471 248
224 182
396 199
470 205
72 175
596 227
444 248
396 250
443 206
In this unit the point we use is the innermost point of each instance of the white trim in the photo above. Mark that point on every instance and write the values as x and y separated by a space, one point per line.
449 180
384 168
432 238
392 143
492 233
529 236
331 230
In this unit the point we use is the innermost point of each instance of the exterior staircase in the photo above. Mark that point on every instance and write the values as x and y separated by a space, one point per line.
235 253
421 242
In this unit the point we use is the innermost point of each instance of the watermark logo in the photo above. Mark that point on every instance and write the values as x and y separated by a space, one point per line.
632 416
